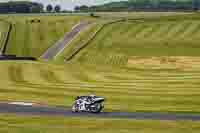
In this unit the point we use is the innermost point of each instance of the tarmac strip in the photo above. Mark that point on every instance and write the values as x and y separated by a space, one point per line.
64 42
34 109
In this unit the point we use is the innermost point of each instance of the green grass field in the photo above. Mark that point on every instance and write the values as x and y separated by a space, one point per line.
32 38
27 124
144 38
145 65
132 63
161 90
152 62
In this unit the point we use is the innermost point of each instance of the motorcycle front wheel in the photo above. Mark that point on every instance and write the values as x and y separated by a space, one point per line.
75 109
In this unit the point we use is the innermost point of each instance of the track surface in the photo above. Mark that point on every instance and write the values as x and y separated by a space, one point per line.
61 44
61 111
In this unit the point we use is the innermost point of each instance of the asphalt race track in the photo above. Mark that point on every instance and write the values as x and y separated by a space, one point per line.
66 112
61 44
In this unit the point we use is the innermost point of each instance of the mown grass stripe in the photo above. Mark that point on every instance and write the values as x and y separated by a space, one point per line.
155 28
195 30
169 29
162 28
190 30
15 73
26 48
138 29
183 29
173 32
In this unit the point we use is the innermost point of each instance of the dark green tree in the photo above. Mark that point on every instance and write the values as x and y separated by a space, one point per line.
84 8
20 7
49 8
37 8
195 4
57 8
77 8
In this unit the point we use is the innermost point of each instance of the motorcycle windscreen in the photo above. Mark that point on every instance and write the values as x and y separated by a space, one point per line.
99 100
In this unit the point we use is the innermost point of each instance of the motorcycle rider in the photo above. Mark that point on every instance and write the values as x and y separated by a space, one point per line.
82 102
88 104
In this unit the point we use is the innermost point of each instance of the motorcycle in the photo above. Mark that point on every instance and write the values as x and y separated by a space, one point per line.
91 104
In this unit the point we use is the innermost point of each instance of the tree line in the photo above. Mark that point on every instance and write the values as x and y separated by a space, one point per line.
26 7
149 5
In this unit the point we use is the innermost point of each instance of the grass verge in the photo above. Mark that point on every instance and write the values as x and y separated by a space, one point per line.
35 124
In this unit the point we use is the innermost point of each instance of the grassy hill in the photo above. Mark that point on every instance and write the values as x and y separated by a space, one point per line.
33 38
152 62
145 65
122 40
126 61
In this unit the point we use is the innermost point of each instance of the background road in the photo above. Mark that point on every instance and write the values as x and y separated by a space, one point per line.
61 44
61 111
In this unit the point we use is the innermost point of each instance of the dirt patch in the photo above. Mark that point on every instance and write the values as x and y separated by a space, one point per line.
165 62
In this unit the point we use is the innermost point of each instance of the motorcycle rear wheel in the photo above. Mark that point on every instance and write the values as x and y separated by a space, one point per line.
97 109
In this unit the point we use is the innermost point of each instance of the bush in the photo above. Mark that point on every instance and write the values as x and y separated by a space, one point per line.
93 15
35 20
